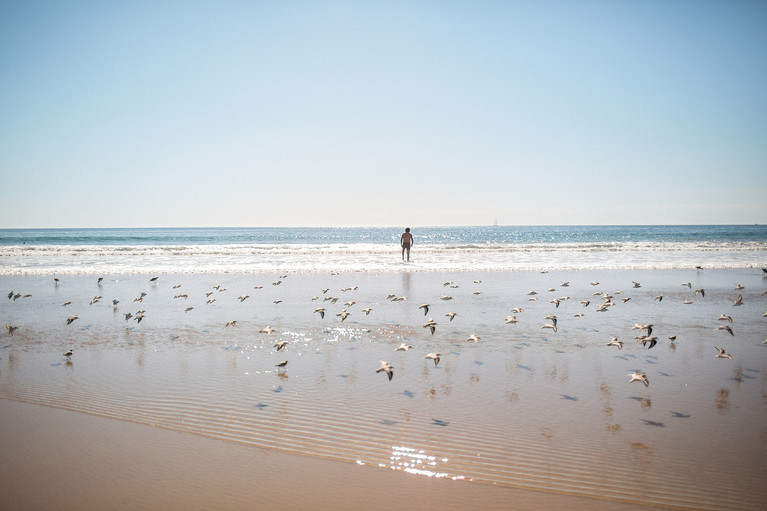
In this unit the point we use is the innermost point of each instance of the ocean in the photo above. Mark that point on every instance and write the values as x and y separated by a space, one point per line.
488 248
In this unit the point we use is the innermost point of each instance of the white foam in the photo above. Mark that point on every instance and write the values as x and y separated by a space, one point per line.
370 257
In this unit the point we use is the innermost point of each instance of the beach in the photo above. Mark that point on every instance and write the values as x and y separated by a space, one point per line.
524 413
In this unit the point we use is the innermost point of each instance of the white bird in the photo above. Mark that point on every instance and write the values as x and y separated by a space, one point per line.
550 325
403 347
11 329
511 319
615 342
451 315
433 356
639 376
321 311
473 338
70 319
69 353
367 311
725 327
281 365
722 354
343 315
242 298
387 368
431 324
281 345
738 301
266 330
445 297
425 307
725 317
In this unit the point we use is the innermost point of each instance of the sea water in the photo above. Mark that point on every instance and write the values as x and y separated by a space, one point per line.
488 248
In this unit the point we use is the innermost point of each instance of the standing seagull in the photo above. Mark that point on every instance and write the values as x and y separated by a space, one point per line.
387 368
11 329
69 353
281 365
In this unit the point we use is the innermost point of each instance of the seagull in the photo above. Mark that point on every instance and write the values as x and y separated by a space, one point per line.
738 301
425 307
266 330
69 353
128 315
231 323
701 291
70 319
636 284
188 309
445 297
403 347
343 315
473 338
639 376
11 329
659 298
281 345
350 303
183 295
387 368
451 315
66 303
95 300
652 340
517 310
725 327
433 356
725 317
550 325
281 365
321 311
585 303
431 324
511 319
367 311
722 354
626 299
738 287
615 342
242 298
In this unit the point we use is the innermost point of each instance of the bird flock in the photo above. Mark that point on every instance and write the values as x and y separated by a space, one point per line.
599 302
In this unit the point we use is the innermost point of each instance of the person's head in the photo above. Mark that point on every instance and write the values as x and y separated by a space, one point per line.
407 229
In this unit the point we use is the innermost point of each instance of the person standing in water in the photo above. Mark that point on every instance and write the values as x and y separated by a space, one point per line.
406 241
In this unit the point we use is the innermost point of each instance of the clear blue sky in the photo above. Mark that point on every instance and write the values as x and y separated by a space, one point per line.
283 113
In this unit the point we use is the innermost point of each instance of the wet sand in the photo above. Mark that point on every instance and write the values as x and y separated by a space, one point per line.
524 415
55 459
